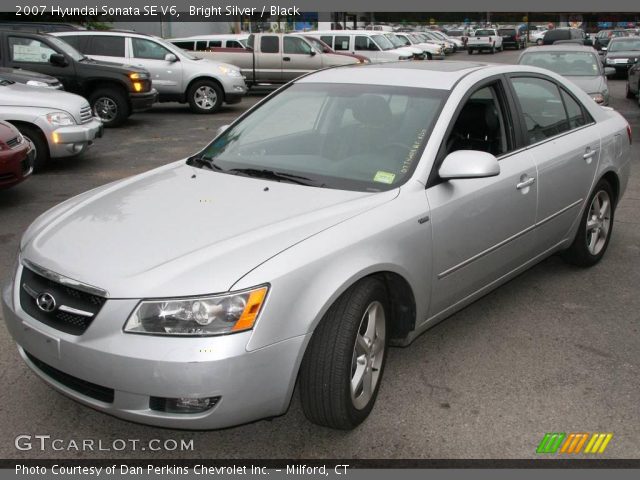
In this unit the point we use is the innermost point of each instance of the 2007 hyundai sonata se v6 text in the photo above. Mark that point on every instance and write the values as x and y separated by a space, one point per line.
350 210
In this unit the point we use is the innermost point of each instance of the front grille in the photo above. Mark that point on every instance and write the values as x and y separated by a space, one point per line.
83 387
33 285
14 142
85 114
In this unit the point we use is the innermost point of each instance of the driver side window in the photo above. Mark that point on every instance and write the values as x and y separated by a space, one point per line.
481 124
147 49
29 50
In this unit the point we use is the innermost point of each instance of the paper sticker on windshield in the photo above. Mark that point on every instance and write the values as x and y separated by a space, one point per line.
384 177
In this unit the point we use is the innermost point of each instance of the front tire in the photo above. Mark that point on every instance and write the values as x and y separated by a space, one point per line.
595 228
342 368
110 105
205 96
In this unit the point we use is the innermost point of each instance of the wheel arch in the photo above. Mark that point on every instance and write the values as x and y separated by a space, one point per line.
204 77
613 179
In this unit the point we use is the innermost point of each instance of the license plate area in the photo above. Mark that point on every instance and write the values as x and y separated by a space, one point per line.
40 345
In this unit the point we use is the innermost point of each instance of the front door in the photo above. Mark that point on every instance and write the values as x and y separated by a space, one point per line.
166 76
298 58
482 227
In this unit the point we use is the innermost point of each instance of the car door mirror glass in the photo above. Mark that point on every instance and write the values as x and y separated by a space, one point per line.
58 60
170 57
469 164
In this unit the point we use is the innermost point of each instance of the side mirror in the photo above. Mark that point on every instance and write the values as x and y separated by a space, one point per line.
609 71
469 164
221 130
312 53
170 57
58 59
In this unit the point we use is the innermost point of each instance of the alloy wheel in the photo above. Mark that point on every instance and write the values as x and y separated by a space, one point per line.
106 109
598 222
205 97
368 355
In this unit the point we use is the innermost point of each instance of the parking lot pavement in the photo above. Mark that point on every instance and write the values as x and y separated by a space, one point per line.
555 350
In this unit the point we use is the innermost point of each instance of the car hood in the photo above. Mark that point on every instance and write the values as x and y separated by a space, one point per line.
623 54
18 94
591 84
101 65
179 230
23 76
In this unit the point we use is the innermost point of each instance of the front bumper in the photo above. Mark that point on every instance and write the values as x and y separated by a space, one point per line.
141 102
234 89
15 165
73 139
251 385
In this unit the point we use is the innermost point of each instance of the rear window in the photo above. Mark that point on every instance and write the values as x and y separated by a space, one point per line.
106 46
269 44
182 45
507 31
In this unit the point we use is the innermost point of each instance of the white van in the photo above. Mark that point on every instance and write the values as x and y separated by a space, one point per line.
201 43
373 45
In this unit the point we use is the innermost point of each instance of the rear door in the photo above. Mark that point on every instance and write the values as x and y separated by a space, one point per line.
268 59
565 144
166 76
109 48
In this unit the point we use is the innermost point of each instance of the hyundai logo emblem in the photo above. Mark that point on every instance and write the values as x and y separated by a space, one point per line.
46 302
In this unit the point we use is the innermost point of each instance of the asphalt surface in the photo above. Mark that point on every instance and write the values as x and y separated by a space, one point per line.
555 350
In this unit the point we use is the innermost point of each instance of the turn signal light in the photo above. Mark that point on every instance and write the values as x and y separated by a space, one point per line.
137 86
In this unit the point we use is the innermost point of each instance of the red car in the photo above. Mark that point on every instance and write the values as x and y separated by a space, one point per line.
16 156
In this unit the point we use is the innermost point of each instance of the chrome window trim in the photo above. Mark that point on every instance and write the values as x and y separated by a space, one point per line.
66 281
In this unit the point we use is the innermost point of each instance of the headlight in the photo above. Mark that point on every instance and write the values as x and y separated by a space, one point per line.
597 97
60 119
202 316
37 83
232 72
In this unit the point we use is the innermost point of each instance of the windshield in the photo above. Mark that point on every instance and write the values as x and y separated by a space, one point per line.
397 42
416 38
618 46
577 64
243 42
173 48
66 48
343 136
383 42
319 45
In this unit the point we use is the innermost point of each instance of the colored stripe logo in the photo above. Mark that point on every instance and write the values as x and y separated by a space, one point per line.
573 443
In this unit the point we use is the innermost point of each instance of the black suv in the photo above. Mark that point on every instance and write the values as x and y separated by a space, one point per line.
511 38
114 91
568 35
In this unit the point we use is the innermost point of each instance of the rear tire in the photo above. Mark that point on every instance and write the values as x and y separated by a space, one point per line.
205 96
110 105
596 226
39 142
342 368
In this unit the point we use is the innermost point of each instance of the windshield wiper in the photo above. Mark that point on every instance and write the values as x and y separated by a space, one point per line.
204 162
273 175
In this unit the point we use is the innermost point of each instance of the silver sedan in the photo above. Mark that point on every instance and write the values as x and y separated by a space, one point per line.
350 211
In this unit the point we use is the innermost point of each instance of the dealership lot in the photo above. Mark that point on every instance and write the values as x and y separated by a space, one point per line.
557 349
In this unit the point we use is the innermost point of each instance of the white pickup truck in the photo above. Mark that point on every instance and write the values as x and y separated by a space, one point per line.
484 39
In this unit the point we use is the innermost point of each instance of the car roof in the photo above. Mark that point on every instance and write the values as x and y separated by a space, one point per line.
436 75
563 47
214 36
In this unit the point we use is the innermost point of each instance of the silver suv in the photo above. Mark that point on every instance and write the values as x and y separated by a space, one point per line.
176 74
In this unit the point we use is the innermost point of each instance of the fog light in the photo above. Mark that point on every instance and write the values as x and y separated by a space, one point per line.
238 88
137 86
183 404
55 137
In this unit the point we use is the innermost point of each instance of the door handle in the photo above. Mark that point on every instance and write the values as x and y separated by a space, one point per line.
589 153
286 59
526 183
